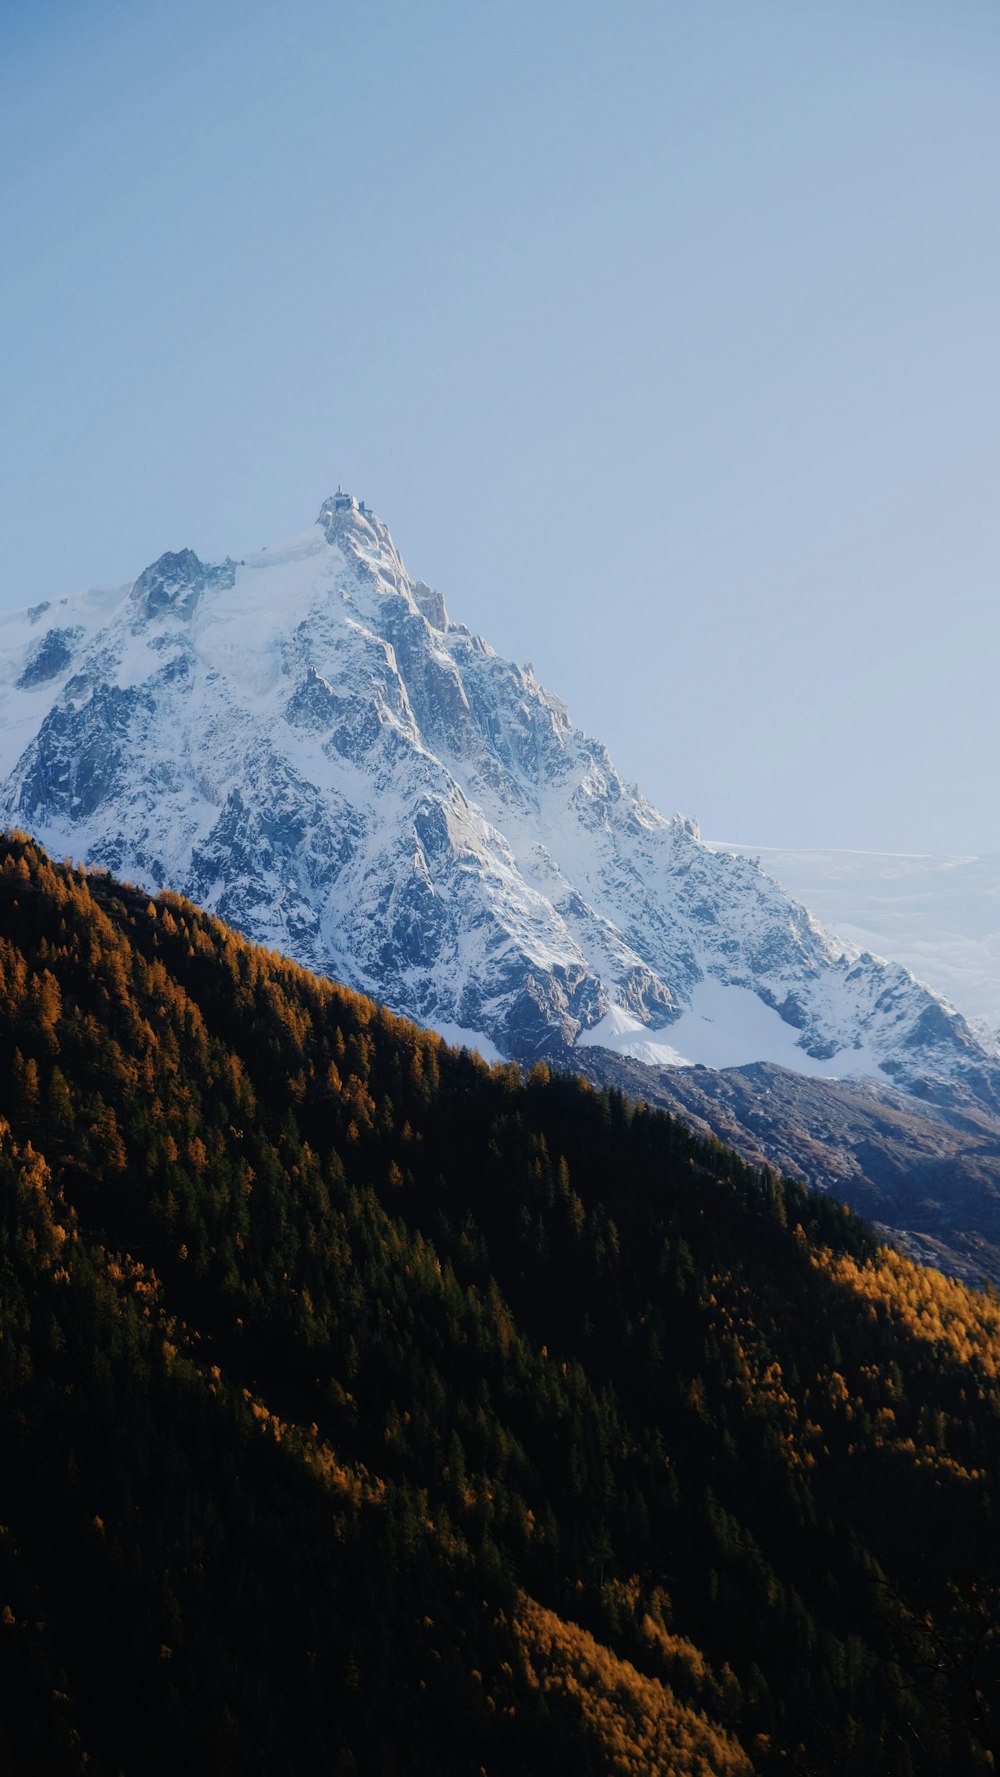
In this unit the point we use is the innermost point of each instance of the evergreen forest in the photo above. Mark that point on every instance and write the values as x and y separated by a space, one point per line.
368 1410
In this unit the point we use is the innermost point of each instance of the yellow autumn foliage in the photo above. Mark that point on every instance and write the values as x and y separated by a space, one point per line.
640 1726
942 1311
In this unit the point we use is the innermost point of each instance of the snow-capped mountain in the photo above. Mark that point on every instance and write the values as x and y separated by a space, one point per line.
305 743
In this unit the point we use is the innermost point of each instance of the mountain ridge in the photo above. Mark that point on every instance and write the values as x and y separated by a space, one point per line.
935 914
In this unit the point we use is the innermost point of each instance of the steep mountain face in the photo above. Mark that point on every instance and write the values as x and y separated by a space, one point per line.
304 743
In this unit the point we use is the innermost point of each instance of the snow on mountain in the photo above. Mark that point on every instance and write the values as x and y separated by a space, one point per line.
305 743
724 1026
938 916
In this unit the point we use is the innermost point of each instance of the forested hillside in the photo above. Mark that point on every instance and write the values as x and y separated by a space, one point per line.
364 1409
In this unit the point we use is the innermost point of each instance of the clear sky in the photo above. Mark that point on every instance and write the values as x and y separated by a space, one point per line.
664 337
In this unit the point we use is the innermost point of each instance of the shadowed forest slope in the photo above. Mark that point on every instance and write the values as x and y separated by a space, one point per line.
370 1410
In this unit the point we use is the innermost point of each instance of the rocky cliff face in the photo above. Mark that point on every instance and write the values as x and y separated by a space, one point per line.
306 744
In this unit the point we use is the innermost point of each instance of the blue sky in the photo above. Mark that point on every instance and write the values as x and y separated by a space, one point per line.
663 336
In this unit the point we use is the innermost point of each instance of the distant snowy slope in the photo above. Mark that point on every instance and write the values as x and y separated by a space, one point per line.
938 916
304 742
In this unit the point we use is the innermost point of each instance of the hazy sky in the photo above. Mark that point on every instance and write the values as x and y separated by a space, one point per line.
664 337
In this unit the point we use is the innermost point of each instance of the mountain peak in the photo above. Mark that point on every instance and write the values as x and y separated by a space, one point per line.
366 543
340 509
304 743
174 581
